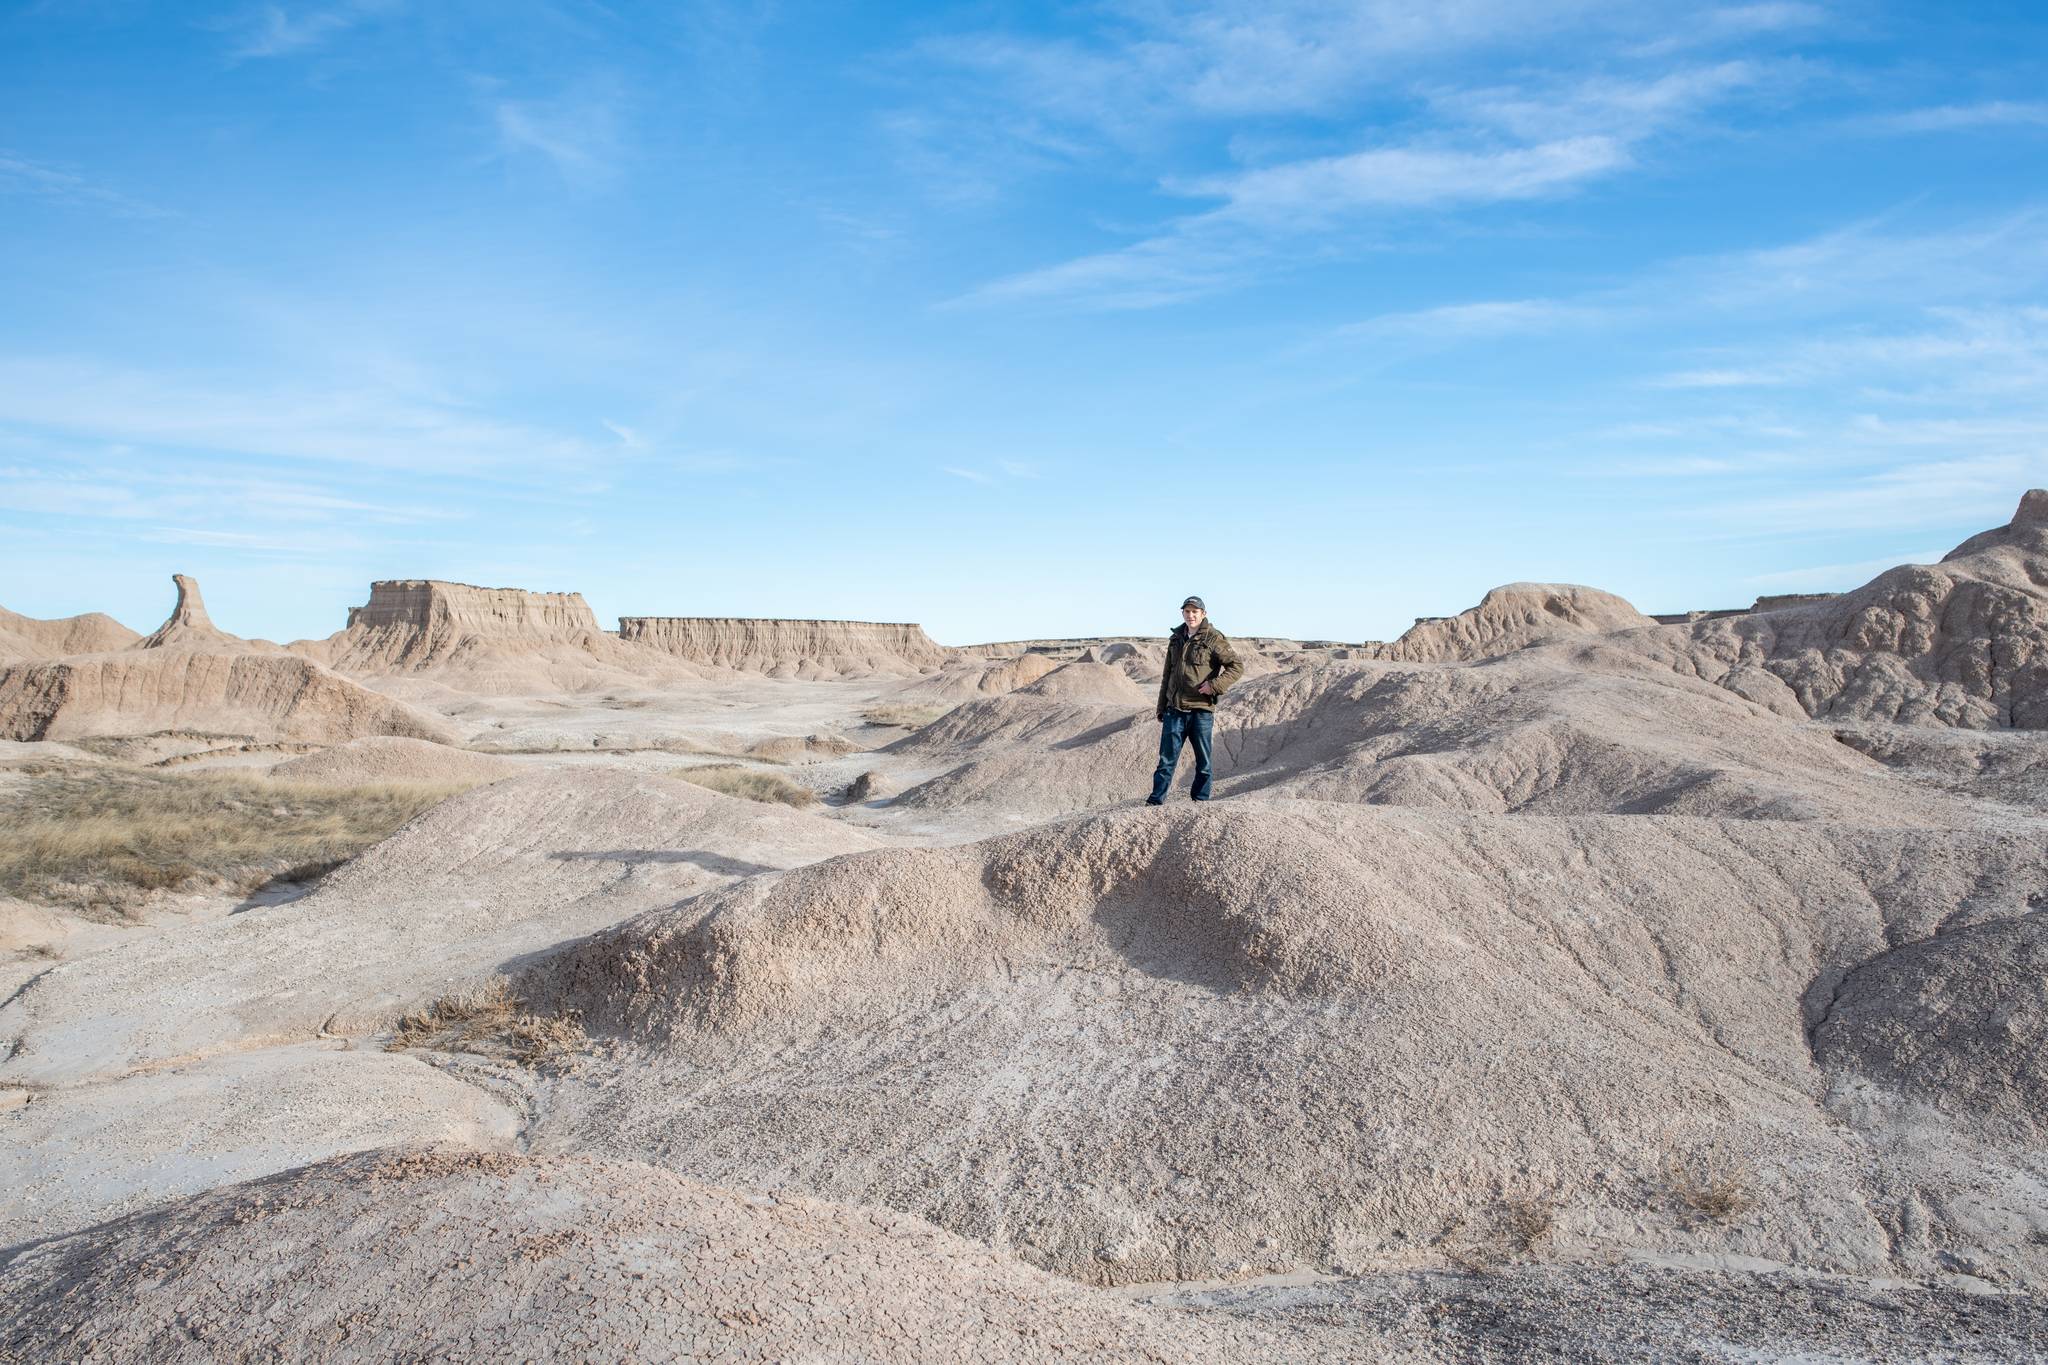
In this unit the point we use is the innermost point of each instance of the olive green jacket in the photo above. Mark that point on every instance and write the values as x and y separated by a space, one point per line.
1208 657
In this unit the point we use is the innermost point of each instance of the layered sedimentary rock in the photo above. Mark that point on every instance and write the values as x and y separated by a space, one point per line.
190 675
188 627
24 637
1963 642
492 640
249 695
789 648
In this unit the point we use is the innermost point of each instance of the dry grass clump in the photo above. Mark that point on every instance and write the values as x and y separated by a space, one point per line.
491 1021
1709 1186
750 783
904 717
1527 1219
100 838
1518 1227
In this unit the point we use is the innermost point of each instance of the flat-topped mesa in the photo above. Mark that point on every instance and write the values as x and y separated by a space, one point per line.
789 648
492 641
430 604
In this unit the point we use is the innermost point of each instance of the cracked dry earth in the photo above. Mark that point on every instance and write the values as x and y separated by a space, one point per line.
1548 985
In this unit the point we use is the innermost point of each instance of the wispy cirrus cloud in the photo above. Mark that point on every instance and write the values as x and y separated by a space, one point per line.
1267 206
1950 118
21 175
280 31
1453 324
1982 349
1458 147
368 424
578 134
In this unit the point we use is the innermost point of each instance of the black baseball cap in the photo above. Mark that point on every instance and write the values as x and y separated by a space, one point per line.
1194 602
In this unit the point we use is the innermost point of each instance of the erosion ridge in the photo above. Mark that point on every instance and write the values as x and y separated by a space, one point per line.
24 637
789 648
1295 1033
191 675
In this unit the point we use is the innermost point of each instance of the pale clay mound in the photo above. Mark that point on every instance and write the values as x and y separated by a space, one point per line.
24 637
190 675
420 1254
489 641
1531 733
1276 1034
966 678
471 886
391 759
1510 618
807 650
453 1256
1092 682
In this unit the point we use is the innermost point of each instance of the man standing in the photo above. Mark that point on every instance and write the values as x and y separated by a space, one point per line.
1200 666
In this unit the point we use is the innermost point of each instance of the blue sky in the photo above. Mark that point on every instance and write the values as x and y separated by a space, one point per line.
1012 319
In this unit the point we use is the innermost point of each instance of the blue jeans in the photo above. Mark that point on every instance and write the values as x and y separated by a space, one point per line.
1177 728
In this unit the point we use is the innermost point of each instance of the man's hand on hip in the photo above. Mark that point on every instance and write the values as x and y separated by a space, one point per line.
1206 690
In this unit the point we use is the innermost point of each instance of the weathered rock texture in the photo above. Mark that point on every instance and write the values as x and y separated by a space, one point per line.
1153 1045
1510 618
24 637
487 640
789 648
190 675
968 676
1532 733
189 627
1963 642
433 1255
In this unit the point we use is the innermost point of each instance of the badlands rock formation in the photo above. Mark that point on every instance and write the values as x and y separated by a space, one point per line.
552 1258
190 675
190 628
503 641
967 677
1511 618
1146 1046
1691 974
789 649
23 637
1963 642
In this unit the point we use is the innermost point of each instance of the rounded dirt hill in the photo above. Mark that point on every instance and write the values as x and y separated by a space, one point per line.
1153 1045
433 1255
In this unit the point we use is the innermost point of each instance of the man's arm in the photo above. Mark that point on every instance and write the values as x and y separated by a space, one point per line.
1233 667
1165 675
